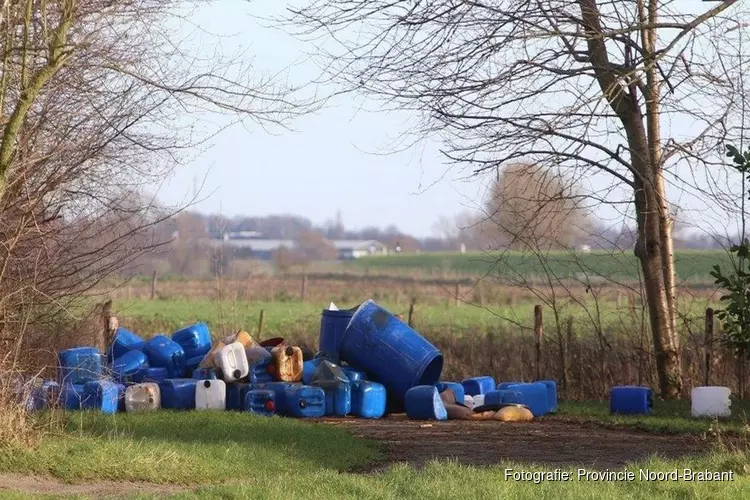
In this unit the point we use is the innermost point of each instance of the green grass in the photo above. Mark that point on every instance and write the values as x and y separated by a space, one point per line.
234 455
298 319
671 417
187 448
690 265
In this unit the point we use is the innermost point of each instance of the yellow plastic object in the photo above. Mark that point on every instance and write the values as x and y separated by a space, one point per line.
208 360
514 414
288 361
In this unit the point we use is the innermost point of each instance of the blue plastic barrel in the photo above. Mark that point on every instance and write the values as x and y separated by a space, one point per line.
124 342
304 401
423 403
534 395
235 395
178 393
551 394
151 374
79 365
390 351
261 402
368 399
101 395
126 367
332 327
630 400
478 385
458 390
163 351
502 397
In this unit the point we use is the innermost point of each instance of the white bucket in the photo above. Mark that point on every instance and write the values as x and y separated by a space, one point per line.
711 401
210 395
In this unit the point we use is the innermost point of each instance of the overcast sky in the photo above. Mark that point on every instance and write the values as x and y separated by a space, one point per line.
329 163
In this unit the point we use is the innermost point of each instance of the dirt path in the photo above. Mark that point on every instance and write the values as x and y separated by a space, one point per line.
100 489
551 442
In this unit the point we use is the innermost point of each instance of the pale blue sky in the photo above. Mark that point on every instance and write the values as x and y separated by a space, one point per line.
327 163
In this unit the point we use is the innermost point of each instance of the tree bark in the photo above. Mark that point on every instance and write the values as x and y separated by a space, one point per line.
654 244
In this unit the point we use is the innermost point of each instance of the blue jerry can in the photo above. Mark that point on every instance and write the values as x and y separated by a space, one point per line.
101 395
178 393
423 403
195 340
368 399
79 365
163 351
261 401
304 401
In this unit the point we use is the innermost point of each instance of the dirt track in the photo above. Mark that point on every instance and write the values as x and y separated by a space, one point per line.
553 442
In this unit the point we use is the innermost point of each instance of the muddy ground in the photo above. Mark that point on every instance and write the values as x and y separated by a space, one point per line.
554 442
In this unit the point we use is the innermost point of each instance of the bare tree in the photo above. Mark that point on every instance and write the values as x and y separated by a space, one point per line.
531 207
98 102
593 87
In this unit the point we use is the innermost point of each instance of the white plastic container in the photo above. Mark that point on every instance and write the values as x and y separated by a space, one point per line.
478 400
711 401
210 395
232 361
469 402
142 397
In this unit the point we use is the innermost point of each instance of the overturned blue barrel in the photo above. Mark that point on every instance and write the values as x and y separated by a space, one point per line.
332 327
79 365
126 367
424 403
551 394
390 351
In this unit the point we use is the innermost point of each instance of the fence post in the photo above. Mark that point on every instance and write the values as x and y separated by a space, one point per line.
709 344
260 323
456 292
153 284
304 287
410 319
538 339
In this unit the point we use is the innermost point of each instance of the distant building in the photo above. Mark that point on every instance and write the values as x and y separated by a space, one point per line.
246 244
354 249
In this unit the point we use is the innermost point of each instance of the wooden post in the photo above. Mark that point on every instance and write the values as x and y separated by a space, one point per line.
708 343
538 339
153 284
304 287
455 294
411 312
260 323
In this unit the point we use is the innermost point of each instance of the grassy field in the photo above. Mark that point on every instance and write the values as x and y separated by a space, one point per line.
691 266
235 455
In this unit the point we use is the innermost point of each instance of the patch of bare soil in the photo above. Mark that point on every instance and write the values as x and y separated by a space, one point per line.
549 442
100 489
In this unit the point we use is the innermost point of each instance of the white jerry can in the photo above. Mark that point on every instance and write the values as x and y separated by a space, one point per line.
142 397
232 361
210 395
711 401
